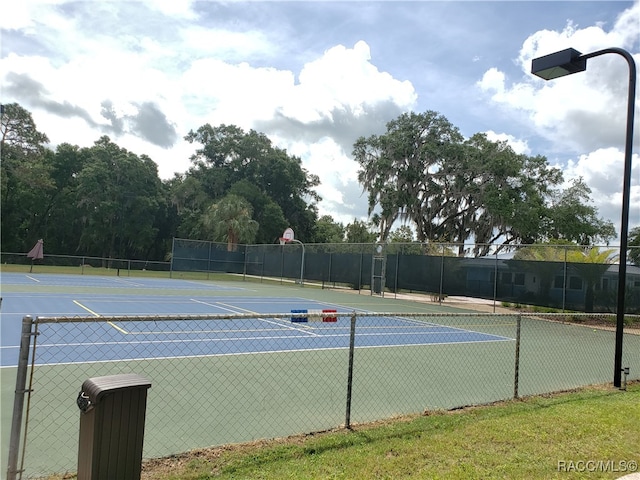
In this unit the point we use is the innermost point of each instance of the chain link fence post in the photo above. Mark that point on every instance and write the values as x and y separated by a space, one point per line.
18 402
516 377
352 337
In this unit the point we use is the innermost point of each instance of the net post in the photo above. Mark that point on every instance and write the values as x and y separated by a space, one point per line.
516 377
352 336
18 402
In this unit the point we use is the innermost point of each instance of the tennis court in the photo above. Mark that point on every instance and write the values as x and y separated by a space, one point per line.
122 340
267 372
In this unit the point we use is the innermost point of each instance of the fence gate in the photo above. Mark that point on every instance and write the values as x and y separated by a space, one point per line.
378 271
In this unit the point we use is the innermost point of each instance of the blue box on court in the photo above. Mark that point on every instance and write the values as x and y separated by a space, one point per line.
300 319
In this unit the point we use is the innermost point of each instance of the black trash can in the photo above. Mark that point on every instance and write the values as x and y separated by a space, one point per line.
112 427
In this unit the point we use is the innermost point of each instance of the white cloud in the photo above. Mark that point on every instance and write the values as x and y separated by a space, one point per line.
344 79
518 146
336 93
21 15
173 8
16 16
337 170
219 92
602 170
225 44
493 80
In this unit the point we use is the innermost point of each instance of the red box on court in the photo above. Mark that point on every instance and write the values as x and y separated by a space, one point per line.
332 318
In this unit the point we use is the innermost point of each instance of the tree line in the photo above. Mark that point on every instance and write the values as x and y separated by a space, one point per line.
106 201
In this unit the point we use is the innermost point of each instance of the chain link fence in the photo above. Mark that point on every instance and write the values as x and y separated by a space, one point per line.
559 277
544 276
85 265
220 379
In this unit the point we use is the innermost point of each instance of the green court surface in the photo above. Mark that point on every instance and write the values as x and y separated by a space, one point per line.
198 400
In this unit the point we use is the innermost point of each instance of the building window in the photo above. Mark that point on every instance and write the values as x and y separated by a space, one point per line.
558 282
575 283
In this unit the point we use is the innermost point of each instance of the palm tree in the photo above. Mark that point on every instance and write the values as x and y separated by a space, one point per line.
231 220
543 260
590 264
634 246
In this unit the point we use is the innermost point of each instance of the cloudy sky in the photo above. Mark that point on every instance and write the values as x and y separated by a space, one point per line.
314 76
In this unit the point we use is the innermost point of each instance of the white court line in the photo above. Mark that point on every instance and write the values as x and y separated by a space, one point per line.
121 330
189 332
266 352
177 340
218 287
127 282
273 337
32 278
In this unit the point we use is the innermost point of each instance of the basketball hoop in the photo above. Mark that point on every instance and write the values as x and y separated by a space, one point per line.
287 236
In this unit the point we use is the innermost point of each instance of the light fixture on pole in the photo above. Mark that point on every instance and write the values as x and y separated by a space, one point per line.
570 61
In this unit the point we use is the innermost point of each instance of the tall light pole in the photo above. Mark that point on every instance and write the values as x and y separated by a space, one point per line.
571 61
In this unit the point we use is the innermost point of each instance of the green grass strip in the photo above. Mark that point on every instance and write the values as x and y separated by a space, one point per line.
591 433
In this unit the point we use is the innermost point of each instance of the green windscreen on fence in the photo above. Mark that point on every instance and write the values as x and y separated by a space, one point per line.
569 286
204 256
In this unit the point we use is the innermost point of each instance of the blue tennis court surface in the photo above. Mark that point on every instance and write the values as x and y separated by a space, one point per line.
75 281
127 340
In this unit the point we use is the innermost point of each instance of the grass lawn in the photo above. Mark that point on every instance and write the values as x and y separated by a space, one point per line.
590 433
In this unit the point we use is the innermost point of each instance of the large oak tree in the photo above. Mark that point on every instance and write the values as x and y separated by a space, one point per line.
456 190
280 190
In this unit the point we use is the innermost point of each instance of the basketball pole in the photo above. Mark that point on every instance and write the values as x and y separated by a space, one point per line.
284 241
